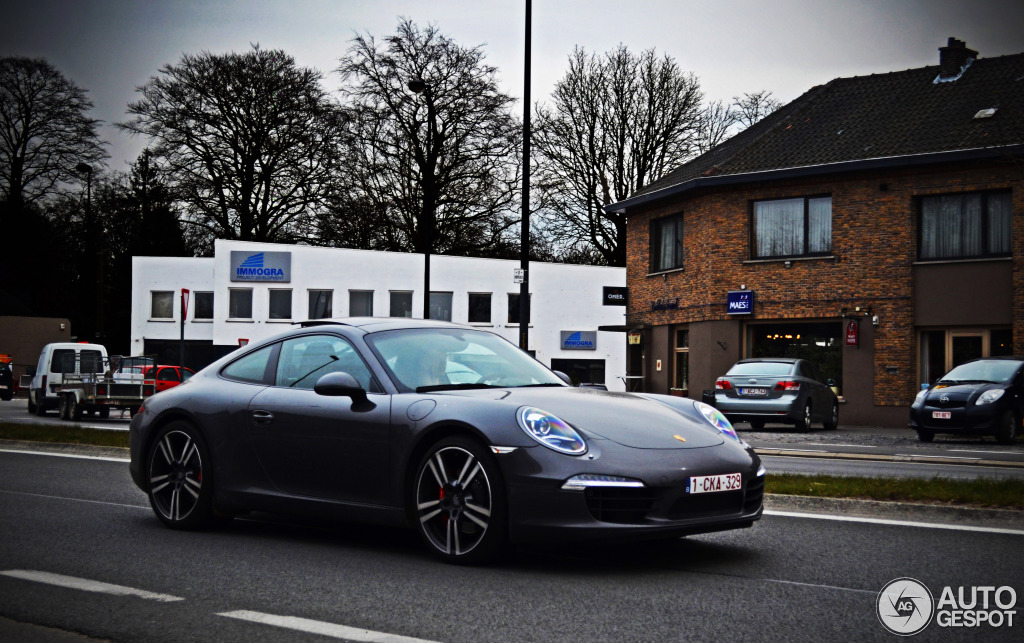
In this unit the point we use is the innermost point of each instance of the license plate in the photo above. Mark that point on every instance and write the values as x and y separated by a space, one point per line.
712 484
942 415
753 391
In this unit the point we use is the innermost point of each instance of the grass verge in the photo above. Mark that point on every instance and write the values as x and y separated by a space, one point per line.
982 492
62 434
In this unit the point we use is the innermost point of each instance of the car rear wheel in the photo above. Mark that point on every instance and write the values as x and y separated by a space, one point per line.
1008 428
757 425
804 423
459 502
74 408
40 405
180 486
31 404
832 423
925 436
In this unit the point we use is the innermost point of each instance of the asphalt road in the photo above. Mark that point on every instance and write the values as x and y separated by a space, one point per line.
81 522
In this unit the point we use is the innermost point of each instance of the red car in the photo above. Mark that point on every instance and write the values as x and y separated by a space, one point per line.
168 376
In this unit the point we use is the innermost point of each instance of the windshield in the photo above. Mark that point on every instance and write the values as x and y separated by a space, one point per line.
997 371
435 359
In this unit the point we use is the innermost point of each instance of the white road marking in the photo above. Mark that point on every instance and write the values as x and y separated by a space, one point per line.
895 523
977 451
859 446
320 627
816 585
95 502
796 450
66 455
87 585
935 457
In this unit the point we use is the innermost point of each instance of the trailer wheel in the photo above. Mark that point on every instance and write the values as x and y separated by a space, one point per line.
74 408
62 407
104 412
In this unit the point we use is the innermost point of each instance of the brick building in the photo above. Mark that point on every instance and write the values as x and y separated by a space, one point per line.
874 225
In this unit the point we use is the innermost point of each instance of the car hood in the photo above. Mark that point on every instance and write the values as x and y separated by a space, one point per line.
958 392
627 419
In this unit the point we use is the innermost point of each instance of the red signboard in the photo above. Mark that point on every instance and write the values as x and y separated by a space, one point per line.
852 333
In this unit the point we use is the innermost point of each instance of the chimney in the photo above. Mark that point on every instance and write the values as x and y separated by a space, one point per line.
954 58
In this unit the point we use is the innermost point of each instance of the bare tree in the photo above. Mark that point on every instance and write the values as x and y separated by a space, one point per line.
617 122
44 130
249 141
717 121
434 143
753 106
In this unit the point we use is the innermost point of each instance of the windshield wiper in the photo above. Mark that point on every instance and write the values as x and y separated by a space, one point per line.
453 387
538 385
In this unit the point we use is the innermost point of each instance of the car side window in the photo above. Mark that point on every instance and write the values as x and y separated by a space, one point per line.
304 360
167 375
251 368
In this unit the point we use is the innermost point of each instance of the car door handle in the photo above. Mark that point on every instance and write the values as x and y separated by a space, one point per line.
262 417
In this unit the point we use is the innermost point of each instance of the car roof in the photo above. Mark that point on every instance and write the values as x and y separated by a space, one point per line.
375 324
1016 358
754 360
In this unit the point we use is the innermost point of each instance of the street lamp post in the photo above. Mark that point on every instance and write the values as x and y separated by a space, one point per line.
93 245
524 230
426 223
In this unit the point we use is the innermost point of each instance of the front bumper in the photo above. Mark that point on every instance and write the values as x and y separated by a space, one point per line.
540 510
967 420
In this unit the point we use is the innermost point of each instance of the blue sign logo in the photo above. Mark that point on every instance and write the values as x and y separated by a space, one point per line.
261 266
585 340
740 302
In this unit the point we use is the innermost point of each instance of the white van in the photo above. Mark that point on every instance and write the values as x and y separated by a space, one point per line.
54 361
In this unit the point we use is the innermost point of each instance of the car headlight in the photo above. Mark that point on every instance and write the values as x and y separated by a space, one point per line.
551 431
990 396
919 400
717 420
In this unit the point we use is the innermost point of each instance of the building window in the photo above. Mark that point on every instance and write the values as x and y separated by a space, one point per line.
513 308
581 371
204 305
479 307
792 227
162 306
667 243
280 304
360 303
441 306
240 303
320 304
401 304
960 226
681 376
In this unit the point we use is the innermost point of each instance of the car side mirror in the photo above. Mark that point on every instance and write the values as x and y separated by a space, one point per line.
30 371
830 382
340 384
562 376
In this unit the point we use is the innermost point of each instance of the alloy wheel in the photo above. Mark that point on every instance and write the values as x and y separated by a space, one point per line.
175 476
454 501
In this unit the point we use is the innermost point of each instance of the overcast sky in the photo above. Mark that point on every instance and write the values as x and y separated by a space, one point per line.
110 47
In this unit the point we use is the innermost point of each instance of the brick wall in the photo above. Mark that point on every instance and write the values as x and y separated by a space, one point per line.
874 246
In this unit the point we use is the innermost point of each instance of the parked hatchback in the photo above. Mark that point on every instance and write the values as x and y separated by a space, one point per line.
777 389
168 376
984 396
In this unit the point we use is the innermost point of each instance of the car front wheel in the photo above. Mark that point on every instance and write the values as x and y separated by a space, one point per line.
1008 427
180 487
459 502
925 436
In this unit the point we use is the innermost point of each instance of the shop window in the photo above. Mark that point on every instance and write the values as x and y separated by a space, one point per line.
581 371
667 243
441 306
400 304
240 303
943 349
161 304
792 227
203 305
963 226
820 343
513 308
479 307
321 304
360 303
280 304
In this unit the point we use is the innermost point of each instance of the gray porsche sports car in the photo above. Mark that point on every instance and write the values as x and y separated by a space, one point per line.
449 429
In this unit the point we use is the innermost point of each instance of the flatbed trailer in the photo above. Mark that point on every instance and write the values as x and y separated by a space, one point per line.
119 384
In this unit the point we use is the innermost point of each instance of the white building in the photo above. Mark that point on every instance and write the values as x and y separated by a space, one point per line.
248 291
